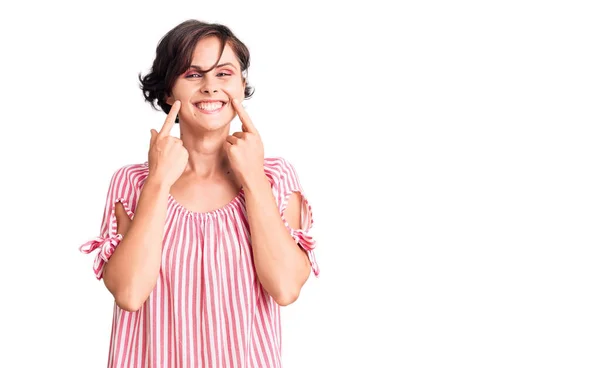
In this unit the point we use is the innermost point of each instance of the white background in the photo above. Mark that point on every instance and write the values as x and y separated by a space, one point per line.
450 151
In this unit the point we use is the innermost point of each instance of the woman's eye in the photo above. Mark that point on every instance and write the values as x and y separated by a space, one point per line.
223 74
194 75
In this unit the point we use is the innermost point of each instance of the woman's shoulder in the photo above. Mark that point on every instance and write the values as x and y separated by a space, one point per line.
279 169
276 163
131 174
133 169
275 166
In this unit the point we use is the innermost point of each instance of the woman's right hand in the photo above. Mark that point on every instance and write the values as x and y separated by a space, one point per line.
167 158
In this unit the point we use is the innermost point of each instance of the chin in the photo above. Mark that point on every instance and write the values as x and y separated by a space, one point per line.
214 124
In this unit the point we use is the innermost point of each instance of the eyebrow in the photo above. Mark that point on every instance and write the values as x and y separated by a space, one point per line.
218 66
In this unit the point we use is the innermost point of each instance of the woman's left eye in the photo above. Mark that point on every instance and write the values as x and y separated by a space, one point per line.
223 74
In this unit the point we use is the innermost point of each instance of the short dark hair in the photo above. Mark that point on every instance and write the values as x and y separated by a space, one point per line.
174 56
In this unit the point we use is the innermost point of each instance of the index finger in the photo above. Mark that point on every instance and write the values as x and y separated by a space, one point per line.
242 114
170 120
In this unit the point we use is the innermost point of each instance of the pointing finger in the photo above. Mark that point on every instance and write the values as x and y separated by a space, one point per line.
170 121
247 125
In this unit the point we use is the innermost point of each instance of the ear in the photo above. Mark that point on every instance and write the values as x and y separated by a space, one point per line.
244 79
170 100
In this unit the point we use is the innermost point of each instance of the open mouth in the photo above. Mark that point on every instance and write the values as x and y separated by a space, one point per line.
210 106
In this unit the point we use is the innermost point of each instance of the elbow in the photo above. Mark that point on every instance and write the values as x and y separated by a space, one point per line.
125 295
126 299
285 292
284 298
128 303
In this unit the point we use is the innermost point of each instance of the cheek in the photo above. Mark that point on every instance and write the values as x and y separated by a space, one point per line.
236 87
181 93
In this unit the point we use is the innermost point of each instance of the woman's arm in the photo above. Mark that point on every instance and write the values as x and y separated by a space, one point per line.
132 270
281 265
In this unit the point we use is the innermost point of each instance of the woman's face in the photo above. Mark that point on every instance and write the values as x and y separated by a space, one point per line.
204 103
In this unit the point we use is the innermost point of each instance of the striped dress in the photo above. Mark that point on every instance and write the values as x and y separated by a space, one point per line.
208 308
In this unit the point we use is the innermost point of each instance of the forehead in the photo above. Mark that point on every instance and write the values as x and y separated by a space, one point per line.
207 52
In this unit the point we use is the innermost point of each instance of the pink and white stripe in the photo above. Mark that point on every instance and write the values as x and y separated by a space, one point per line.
208 308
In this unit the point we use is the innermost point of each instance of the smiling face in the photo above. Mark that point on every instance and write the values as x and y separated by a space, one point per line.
204 101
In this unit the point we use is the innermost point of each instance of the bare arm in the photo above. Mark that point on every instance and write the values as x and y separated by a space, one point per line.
281 265
132 271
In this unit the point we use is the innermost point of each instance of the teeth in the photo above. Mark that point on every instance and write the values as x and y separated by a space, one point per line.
209 106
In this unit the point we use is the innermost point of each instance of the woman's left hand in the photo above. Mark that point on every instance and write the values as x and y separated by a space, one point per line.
245 149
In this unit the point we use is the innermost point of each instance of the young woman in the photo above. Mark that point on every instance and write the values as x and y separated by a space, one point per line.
202 244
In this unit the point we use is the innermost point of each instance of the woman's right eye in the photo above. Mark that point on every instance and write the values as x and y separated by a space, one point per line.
194 75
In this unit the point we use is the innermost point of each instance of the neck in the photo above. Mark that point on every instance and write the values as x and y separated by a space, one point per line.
207 157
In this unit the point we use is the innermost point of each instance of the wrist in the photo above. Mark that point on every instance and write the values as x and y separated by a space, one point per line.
156 185
256 183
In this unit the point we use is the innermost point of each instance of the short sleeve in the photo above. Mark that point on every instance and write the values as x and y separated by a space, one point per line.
284 180
123 188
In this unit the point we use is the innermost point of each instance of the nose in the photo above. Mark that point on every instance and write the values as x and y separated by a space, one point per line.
209 86
209 90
